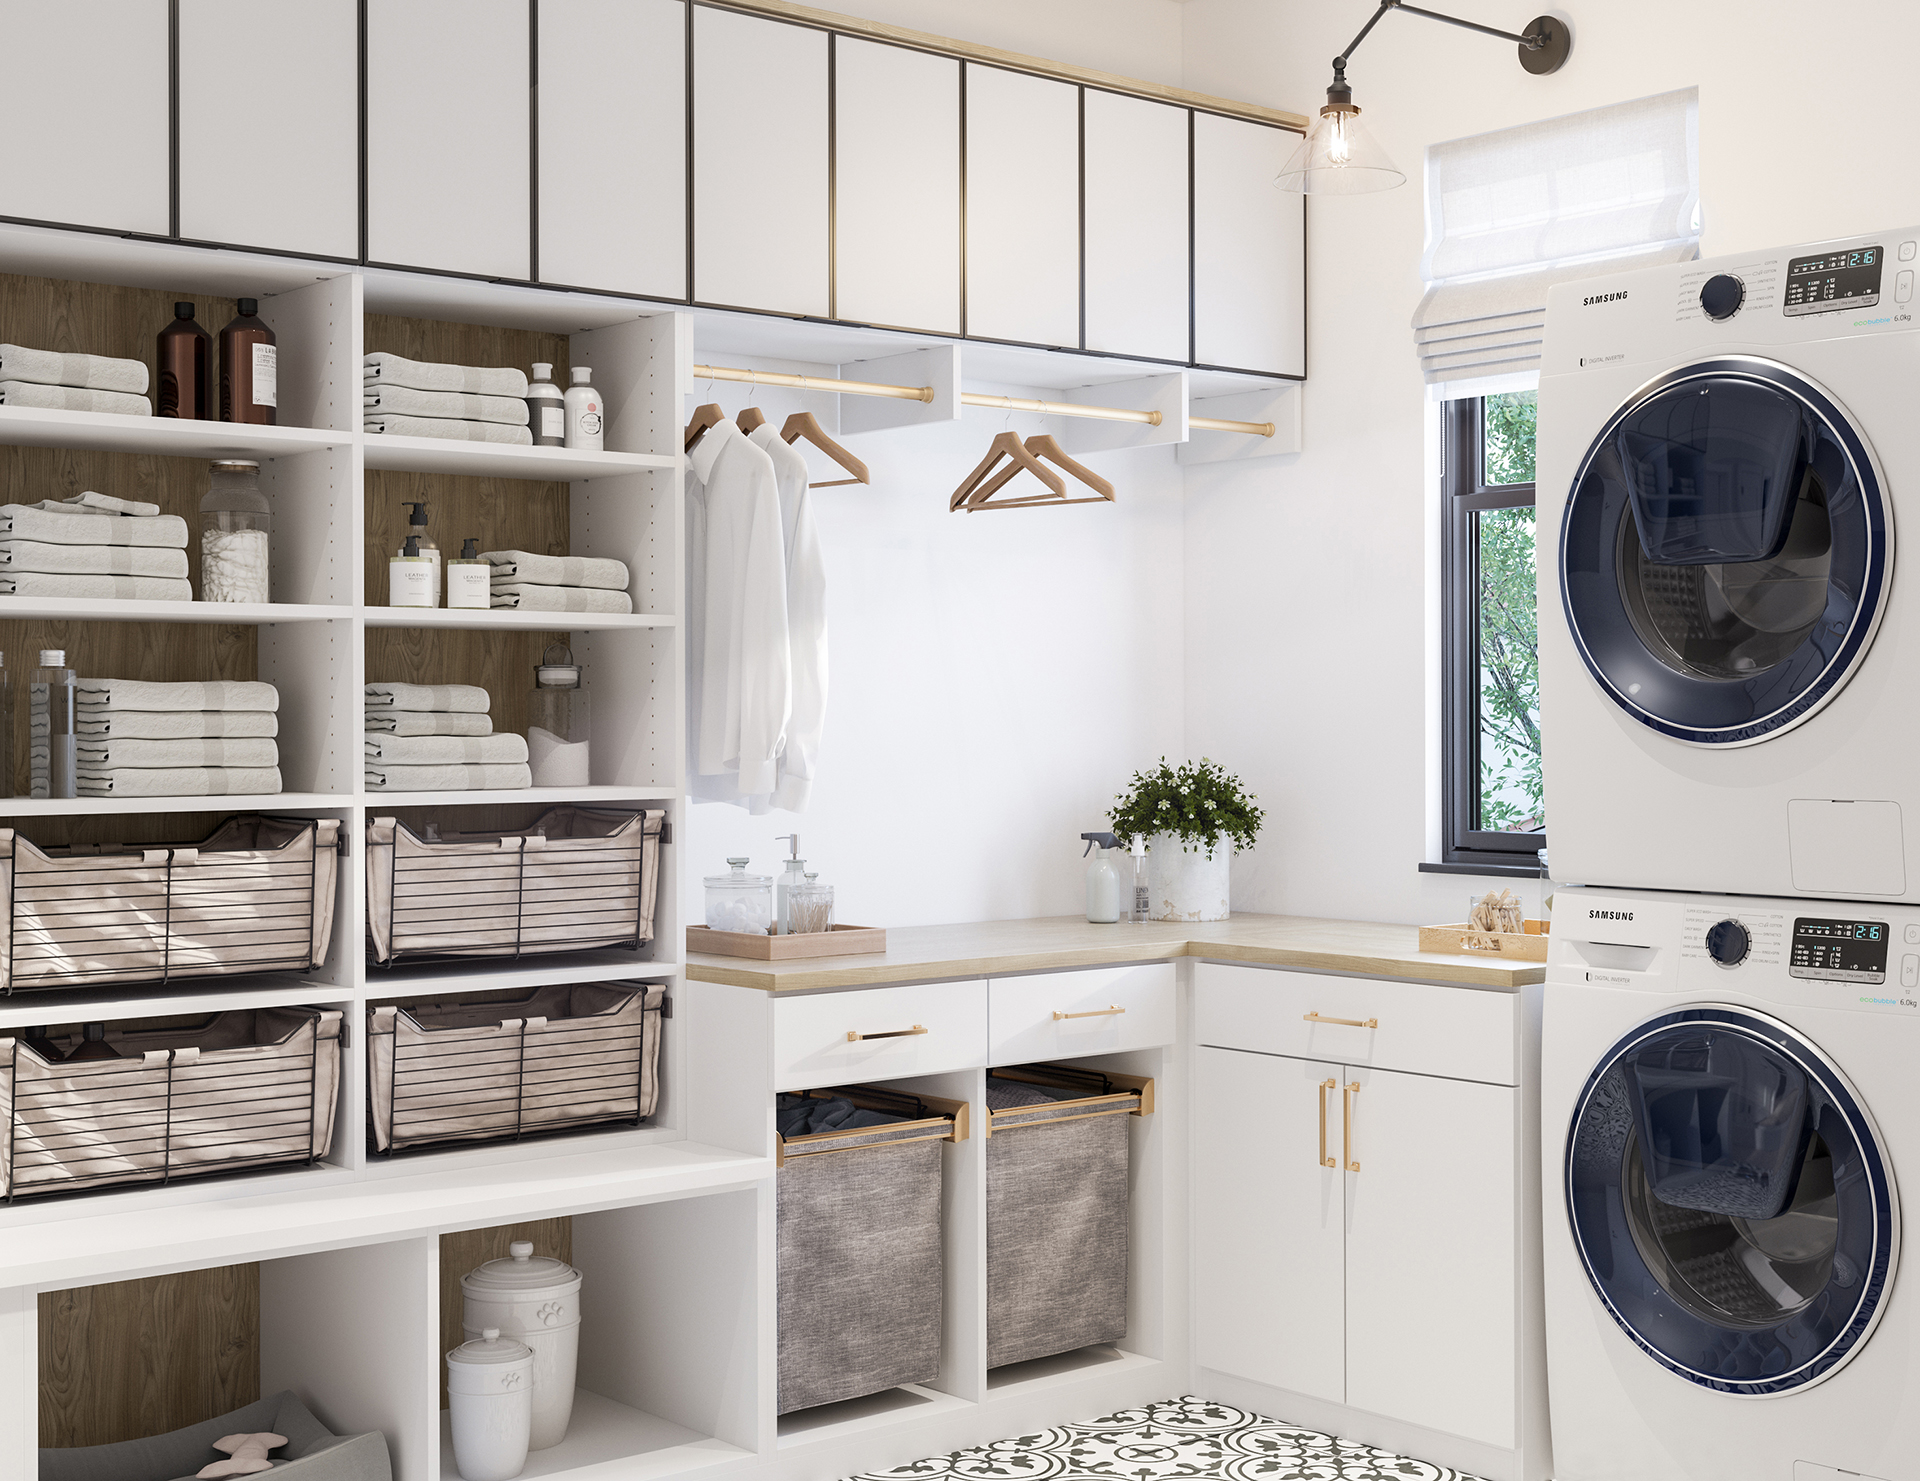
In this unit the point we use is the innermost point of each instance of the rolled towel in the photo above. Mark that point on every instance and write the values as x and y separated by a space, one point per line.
72 398
459 699
51 368
505 749
449 429
427 722
382 778
96 588
105 503
24 522
559 598
93 560
90 723
383 369
98 695
558 570
404 401
99 753
180 781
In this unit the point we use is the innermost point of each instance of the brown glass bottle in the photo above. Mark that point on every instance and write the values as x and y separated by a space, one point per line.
183 355
249 369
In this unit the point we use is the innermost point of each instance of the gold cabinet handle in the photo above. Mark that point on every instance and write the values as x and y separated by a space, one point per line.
1094 1013
1348 1022
1325 1086
1346 1124
856 1037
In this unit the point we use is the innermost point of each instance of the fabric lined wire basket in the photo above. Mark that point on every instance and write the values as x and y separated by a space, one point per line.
564 1057
247 1089
579 878
257 895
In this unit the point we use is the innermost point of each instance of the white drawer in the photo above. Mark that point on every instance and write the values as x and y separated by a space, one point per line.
1025 1014
811 1046
1461 1032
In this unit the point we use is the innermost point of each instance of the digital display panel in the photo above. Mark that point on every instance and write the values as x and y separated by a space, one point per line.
1839 950
1839 280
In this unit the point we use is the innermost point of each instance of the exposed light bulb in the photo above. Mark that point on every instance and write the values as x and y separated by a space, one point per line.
1339 140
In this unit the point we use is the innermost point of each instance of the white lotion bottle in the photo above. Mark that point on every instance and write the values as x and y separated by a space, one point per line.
546 408
1103 880
586 421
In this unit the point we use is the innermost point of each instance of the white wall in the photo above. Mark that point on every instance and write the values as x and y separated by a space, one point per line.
1135 38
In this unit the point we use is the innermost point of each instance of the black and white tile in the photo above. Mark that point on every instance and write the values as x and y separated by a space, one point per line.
1175 1438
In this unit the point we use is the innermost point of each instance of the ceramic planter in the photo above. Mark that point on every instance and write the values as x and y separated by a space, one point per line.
536 1301
1188 884
490 1406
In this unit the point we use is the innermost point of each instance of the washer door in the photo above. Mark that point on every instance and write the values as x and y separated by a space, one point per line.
1725 552
1730 1201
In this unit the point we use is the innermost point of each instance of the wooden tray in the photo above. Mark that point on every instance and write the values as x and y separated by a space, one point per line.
840 941
1461 940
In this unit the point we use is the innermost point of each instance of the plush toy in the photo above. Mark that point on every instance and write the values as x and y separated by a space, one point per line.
249 1454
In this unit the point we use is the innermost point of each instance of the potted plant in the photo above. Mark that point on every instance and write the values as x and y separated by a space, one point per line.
1194 817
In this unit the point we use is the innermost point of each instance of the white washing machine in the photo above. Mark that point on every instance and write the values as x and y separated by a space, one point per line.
1727 1087
1730 665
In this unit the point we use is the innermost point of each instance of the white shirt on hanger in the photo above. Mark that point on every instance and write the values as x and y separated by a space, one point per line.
806 621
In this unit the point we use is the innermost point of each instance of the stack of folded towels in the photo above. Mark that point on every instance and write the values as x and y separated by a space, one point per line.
56 382
438 738
558 583
139 739
95 546
413 398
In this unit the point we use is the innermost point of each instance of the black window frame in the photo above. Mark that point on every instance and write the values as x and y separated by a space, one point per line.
1464 492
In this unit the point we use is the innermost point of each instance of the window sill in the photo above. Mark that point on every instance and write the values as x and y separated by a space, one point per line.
1497 871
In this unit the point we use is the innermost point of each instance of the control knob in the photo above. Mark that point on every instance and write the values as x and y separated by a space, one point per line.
1722 296
1728 942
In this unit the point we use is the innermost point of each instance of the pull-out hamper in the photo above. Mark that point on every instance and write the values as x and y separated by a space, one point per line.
240 1090
860 1272
487 1069
1057 1165
255 896
577 879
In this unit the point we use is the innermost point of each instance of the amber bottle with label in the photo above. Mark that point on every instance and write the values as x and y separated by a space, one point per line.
183 354
249 369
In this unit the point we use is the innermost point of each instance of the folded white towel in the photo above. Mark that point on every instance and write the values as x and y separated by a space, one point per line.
72 398
24 522
505 749
99 753
96 588
97 695
449 429
105 503
404 401
383 369
560 598
427 722
461 699
51 368
180 781
93 560
100 725
557 570
446 778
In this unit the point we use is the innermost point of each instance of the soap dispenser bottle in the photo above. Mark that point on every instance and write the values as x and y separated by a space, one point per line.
410 577
469 578
417 530
1103 879
793 879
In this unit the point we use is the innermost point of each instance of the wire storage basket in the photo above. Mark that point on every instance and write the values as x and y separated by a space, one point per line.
257 895
560 1058
579 878
179 1098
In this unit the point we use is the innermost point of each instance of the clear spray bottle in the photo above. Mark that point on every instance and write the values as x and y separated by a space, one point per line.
1140 902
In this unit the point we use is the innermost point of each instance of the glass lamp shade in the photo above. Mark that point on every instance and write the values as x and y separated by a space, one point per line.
1338 157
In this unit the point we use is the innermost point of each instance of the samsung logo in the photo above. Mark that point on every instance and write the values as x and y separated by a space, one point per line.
1603 298
1609 915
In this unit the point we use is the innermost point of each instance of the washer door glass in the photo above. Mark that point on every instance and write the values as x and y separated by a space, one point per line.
1730 1202
1724 552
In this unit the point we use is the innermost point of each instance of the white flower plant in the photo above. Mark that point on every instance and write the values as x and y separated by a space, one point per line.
1198 804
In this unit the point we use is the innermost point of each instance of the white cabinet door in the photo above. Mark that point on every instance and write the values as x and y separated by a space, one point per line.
1431 1336
1268 1222
896 190
449 140
1249 249
1023 208
760 178
87 90
272 161
1137 280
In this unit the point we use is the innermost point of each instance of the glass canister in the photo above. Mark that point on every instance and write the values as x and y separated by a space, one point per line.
235 523
810 907
740 901
558 721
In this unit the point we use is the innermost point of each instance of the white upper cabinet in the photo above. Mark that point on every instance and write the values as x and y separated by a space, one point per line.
896 186
761 228
449 148
276 162
87 88
1136 185
1023 208
613 145
1249 249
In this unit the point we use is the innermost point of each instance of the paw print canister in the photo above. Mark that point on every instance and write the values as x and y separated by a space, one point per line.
490 1405
535 1300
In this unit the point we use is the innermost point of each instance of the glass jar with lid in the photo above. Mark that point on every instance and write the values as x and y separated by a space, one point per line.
236 521
740 901
810 907
559 721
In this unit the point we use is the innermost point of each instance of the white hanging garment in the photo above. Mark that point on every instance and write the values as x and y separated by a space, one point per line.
806 623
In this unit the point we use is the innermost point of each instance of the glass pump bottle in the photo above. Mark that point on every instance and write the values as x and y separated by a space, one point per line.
559 721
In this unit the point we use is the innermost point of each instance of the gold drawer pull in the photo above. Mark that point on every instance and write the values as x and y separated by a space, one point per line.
1325 1086
1094 1013
1349 1022
854 1036
1346 1129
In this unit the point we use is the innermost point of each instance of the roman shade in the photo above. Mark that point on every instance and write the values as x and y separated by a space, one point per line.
1513 212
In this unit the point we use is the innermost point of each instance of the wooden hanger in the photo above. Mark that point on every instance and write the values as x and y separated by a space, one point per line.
969 495
1044 445
704 417
749 419
806 424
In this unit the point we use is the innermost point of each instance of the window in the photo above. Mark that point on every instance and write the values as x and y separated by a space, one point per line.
1494 811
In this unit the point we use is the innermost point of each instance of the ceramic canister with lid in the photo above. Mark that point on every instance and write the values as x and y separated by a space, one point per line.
537 1301
490 1406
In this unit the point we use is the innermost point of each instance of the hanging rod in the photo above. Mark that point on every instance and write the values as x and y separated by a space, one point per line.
970 398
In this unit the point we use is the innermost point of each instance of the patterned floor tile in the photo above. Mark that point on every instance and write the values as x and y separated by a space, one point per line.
1175 1438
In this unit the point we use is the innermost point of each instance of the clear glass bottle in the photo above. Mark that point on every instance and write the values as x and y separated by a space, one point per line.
236 528
559 721
586 423
546 408
50 727
740 901
249 369
1140 907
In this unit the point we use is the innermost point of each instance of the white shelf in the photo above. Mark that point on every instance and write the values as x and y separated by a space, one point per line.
508 619
188 996
500 460
608 1438
26 426
80 609
276 802
640 792
478 974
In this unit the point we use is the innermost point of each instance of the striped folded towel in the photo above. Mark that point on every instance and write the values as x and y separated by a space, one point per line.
89 372
180 781
24 522
560 598
557 570
462 699
96 588
404 401
504 749
383 369
428 722
72 398
449 429
452 778
93 560
98 695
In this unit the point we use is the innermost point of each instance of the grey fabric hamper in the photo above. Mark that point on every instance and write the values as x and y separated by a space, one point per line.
312 1451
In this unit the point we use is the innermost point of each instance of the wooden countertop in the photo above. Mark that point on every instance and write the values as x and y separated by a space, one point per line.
997 948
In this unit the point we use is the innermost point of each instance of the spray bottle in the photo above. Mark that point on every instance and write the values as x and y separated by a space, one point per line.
1103 879
1141 904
